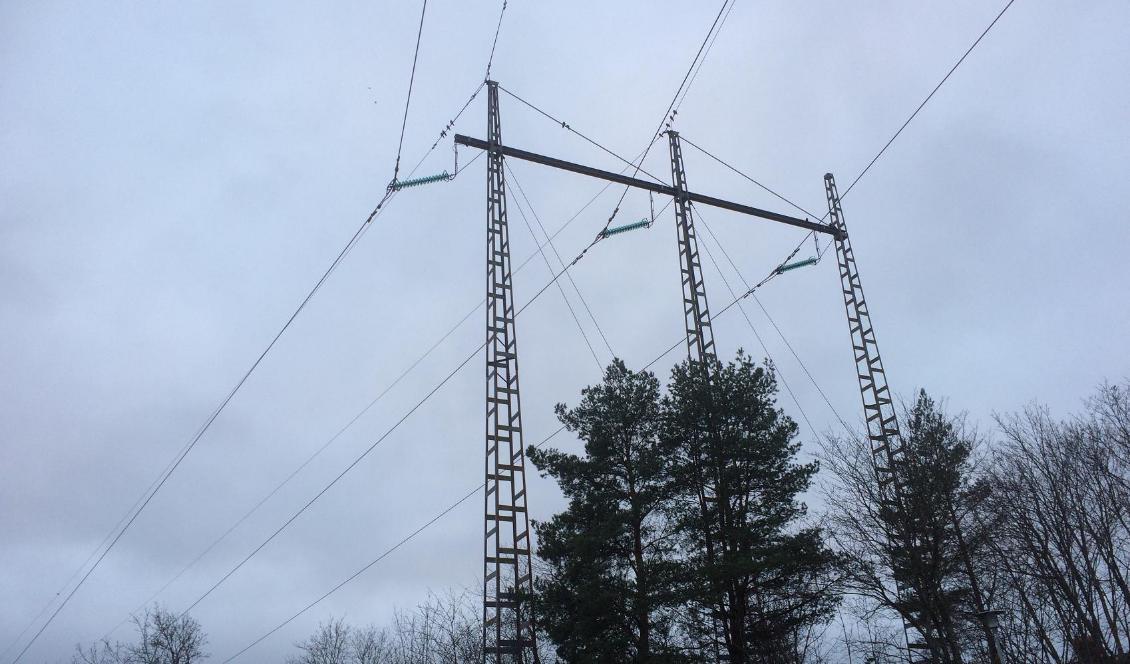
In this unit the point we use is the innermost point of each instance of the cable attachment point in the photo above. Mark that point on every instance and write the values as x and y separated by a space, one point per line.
397 185
785 267
608 232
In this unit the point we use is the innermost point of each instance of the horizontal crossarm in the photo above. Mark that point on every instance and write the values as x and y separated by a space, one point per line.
656 187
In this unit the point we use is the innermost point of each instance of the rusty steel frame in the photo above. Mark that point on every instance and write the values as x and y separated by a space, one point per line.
883 434
508 628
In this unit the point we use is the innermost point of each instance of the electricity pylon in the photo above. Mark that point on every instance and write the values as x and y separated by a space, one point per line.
508 634
883 435
508 627
696 313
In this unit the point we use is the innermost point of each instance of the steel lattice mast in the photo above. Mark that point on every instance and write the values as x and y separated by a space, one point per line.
508 631
878 407
700 348
883 435
696 313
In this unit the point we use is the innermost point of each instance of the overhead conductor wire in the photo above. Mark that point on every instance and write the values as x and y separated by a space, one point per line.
549 266
747 293
381 438
659 129
561 261
467 496
163 477
411 82
305 463
371 403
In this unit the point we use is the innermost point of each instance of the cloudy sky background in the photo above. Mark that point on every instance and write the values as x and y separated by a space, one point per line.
175 177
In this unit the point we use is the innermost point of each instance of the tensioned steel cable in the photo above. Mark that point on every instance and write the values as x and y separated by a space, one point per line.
756 334
203 429
382 556
686 140
846 191
706 54
549 266
353 240
928 98
570 128
881 150
460 501
158 483
494 44
561 261
803 366
658 130
372 403
381 438
411 82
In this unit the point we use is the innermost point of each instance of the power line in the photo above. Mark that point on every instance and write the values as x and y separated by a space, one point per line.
556 253
659 129
569 127
334 481
750 289
304 464
380 439
560 288
494 44
474 491
169 469
780 333
753 329
928 98
886 145
376 560
710 47
360 414
408 98
686 140
802 364
164 477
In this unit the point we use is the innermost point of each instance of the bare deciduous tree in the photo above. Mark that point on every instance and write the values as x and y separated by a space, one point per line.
1061 517
445 629
164 637
330 644
916 563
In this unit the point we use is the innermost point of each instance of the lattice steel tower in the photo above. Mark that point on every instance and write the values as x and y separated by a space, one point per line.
700 348
878 407
887 453
508 630
696 313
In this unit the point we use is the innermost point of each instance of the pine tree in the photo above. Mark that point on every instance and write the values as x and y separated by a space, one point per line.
759 577
608 593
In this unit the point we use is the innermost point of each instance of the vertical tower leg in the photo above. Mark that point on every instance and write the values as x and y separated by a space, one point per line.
883 434
878 407
508 630
700 348
696 313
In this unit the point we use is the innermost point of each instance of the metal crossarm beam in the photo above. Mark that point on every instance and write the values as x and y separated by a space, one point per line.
508 630
644 184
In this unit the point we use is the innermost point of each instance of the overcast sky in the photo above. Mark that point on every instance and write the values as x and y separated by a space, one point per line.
174 177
